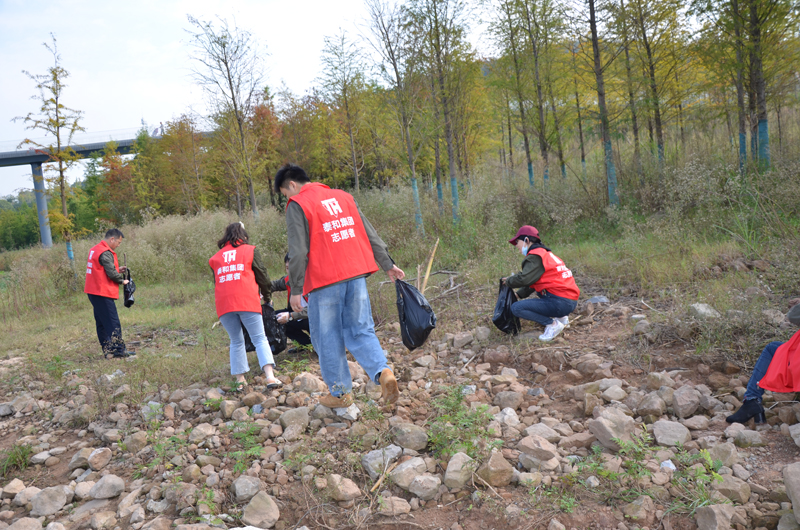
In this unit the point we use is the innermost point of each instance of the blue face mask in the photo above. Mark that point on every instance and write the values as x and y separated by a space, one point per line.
524 250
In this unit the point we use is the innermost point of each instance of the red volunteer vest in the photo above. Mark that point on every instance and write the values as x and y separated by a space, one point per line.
338 245
557 278
782 375
97 281
235 287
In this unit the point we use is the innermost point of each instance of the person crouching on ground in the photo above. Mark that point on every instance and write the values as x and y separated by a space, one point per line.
294 322
773 371
238 275
332 249
103 278
544 273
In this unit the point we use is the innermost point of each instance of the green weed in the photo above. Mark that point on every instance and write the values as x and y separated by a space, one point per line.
14 458
246 436
293 367
457 428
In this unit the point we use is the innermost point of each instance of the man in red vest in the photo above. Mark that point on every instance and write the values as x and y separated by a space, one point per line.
332 249
545 274
103 278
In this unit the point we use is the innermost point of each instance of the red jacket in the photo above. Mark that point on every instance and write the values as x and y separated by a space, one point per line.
557 278
339 248
97 281
235 287
782 375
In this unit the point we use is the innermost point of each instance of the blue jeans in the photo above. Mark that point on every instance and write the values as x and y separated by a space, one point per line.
232 322
760 370
340 317
544 308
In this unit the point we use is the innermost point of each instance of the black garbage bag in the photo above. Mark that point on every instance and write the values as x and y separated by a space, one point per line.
128 289
417 319
274 331
503 318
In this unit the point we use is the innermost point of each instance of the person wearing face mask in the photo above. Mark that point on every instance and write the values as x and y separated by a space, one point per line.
545 274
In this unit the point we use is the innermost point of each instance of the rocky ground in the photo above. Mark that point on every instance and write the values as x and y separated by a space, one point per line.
572 434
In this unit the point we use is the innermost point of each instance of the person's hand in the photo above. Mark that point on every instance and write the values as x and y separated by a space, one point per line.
295 302
123 269
503 280
124 282
283 318
395 273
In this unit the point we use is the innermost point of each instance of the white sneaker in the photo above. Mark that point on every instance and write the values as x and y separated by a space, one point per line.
564 320
552 331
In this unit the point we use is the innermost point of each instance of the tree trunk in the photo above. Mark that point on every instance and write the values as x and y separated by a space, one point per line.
651 71
437 151
637 156
760 87
520 99
510 137
542 133
559 145
608 152
580 129
680 116
352 143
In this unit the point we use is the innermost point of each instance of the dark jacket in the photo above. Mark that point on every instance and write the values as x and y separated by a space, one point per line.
280 285
532 270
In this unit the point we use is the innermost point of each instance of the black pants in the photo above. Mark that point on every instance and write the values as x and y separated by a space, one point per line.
109 330
296 330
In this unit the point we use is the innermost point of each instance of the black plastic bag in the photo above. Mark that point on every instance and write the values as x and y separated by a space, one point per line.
503 318
274 331
417 319
128 289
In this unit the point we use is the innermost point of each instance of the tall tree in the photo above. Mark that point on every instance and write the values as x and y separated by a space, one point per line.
342 77
536 18
507 30
608 152
443 24
398 50
61 123
629 82
229 69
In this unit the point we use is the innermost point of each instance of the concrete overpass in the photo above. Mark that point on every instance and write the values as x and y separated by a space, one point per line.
36 157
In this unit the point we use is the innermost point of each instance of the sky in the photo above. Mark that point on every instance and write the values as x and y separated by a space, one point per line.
130 62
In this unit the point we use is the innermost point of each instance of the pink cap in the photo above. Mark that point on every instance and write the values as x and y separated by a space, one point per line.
525 231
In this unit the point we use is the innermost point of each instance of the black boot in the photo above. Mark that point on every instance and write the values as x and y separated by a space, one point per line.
750 409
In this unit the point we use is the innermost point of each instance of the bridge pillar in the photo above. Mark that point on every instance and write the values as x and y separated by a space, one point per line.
41 205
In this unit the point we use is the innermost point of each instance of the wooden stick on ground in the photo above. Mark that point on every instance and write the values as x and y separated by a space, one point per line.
428 270
380 480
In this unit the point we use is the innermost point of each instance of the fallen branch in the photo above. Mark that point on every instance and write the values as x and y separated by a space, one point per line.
428 270
380 480
485 484
470 360
451 290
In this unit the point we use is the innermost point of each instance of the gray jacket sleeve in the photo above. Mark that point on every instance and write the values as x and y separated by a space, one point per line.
297 234
107 261
379 248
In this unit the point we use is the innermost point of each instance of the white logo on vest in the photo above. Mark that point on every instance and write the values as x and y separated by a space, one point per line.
332 205
229 255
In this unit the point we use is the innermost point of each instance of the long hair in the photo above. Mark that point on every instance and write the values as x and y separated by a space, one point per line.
235 234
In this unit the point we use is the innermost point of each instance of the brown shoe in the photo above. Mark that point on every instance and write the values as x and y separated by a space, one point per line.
389 390
333 402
